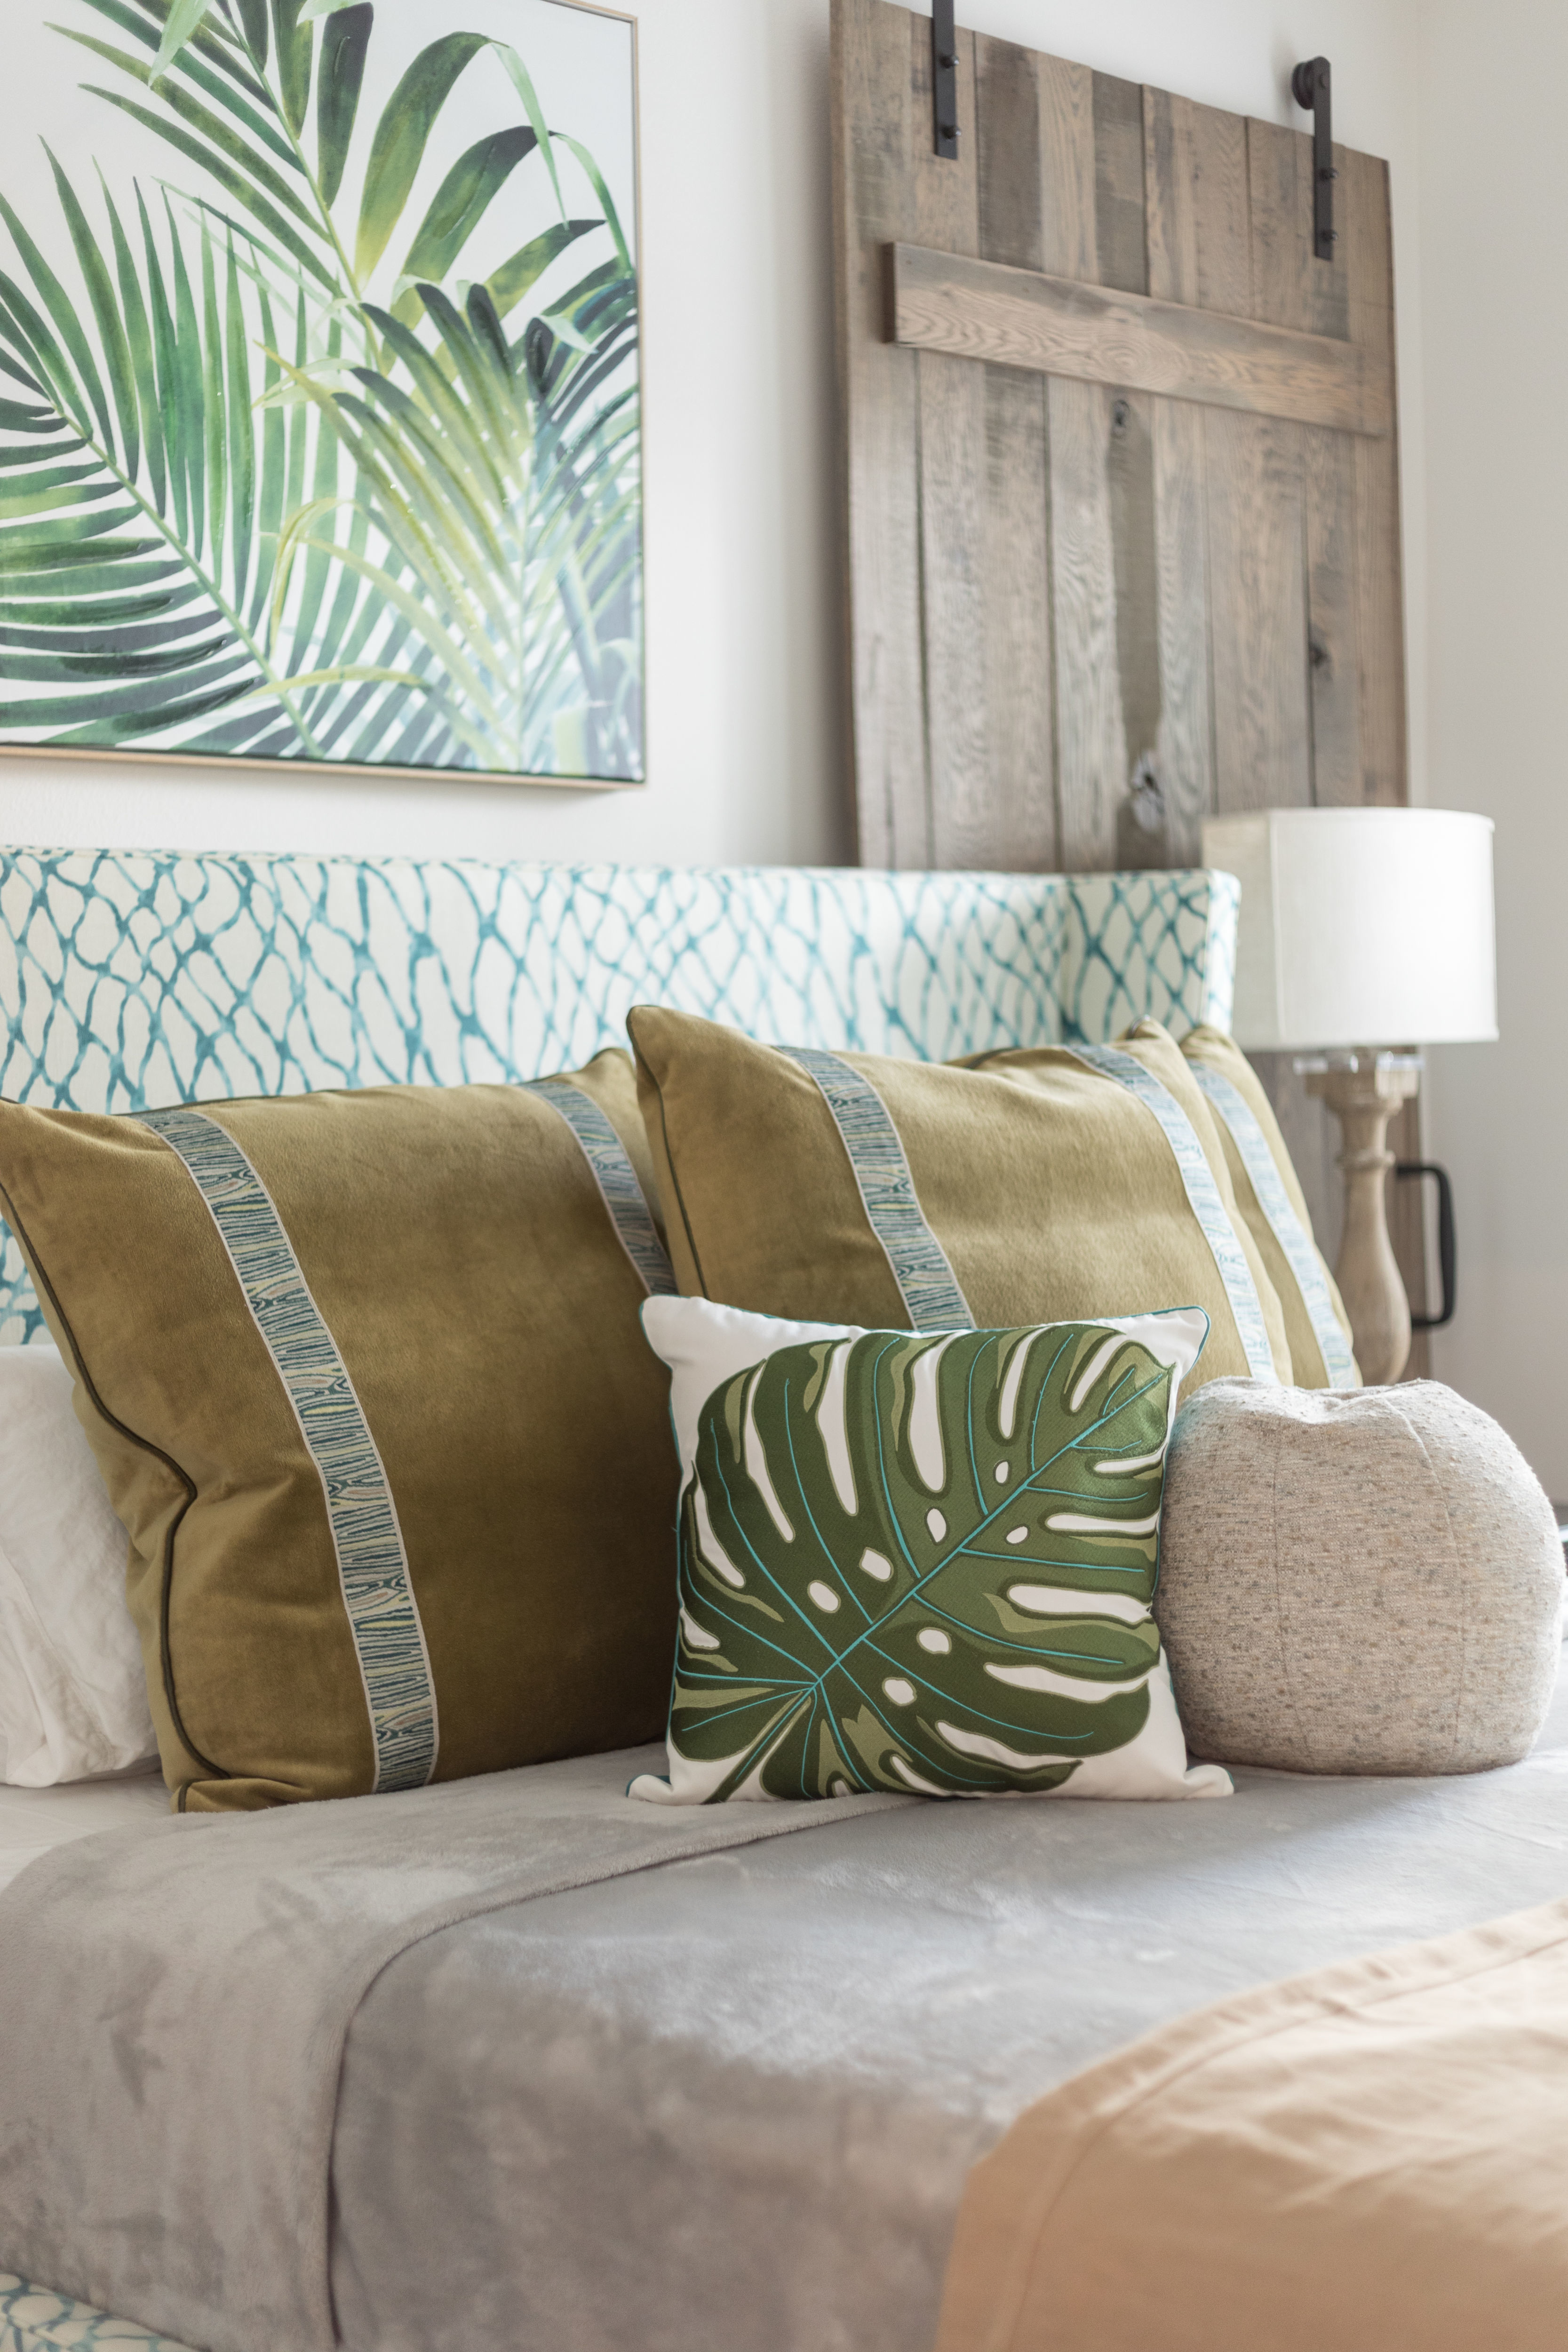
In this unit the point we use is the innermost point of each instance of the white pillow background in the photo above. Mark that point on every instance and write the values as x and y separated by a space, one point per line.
73 1698
705 1345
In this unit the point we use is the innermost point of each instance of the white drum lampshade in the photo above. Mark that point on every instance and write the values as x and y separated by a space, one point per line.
1360 926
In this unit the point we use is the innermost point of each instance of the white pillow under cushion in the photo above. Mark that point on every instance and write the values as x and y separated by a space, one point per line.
73 1700
805 1577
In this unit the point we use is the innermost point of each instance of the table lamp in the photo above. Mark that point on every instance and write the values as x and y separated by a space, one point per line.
1359 926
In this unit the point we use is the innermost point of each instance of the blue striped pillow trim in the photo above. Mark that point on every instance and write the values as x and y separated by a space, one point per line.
1231 1105
617 1178
1202 1196
372 1565
932 1300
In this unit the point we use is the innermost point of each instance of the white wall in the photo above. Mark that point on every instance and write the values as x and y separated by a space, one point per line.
745 752
1494 198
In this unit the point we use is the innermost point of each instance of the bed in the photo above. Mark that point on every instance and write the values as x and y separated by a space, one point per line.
513 2059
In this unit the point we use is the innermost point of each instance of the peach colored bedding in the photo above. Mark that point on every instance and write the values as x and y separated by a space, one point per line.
1369 2159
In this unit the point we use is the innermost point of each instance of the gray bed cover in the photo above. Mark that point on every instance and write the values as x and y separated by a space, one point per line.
730 2102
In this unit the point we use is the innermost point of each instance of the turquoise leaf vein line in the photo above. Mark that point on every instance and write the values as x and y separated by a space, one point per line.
373 1564
1116 1403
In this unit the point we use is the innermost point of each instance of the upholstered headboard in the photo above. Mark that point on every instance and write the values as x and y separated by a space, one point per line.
131 981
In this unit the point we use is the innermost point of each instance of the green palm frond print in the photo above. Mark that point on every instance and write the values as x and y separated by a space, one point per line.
310 450
920 1563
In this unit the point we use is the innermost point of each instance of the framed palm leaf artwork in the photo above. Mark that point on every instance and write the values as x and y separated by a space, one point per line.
320 386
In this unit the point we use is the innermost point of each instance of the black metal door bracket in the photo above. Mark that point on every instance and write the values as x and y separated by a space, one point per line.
944 78
1311 86
1447 1251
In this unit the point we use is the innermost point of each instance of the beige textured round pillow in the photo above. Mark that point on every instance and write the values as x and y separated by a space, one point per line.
1356 1581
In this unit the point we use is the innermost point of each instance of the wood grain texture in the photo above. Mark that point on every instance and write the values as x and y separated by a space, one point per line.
1091 742
1069 242
1019 689
873 202
1020 698
1174 141
1333 639
1057 573
1258 600
951 470
1290 286
1007 130
1171 188
984 310
1184 756
1369 258
1120 239
1049 567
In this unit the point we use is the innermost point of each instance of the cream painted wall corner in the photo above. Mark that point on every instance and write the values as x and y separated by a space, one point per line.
1495 334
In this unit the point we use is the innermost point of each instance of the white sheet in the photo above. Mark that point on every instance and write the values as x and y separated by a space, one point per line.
73 1693
33 1819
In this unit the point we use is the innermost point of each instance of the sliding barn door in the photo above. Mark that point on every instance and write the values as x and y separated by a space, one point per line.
1122 475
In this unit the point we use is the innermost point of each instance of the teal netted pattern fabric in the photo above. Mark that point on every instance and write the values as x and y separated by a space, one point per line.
32 2320
133 981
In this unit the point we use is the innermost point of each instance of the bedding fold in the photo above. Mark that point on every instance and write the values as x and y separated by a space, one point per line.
1370 2157
212 1964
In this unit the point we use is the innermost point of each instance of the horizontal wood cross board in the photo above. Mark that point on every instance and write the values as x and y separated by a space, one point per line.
1022 318
1088 604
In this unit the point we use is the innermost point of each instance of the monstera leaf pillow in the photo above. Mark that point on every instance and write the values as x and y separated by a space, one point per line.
920 1562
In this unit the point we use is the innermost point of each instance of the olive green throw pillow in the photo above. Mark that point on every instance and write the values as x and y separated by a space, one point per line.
920 1563
1047 1186
363 1375
1270 1197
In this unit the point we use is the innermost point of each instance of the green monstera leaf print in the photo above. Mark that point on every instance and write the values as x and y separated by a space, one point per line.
920 1563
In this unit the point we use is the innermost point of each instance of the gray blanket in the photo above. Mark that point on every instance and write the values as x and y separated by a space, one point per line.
173 2009
728 2101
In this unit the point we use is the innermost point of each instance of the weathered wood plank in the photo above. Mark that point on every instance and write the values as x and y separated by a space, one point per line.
1020 702
1091 750
1223 206
872 136
1185 748
1069 245
1122 260
1185 760
1368 245
1120 242
1091 742
1332 617
1289 285
984 310
1007 130
1143 828
1258 596
1170 182
952 493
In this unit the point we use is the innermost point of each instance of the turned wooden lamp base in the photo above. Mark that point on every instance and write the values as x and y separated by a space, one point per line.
1363 1090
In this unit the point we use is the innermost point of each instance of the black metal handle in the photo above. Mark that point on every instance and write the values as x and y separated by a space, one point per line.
1311 87
944 78
1446 1252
